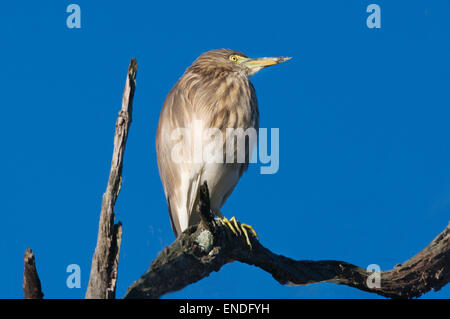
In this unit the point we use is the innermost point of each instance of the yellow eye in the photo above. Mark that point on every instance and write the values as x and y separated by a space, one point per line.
234 58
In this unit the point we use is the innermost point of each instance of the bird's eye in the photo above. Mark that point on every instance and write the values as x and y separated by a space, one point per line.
234 58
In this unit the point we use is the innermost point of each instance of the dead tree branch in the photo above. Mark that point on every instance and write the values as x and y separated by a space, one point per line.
31 283
206 248
103 277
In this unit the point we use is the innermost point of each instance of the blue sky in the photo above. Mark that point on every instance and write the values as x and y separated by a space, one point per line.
363 116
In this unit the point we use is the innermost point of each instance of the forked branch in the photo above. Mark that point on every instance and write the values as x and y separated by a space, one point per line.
208 246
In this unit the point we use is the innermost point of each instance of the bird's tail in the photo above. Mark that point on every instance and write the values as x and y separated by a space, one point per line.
175 225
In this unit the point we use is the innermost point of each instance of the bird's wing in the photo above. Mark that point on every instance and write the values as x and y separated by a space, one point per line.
180 179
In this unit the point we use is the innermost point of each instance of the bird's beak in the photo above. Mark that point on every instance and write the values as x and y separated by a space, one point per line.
260 63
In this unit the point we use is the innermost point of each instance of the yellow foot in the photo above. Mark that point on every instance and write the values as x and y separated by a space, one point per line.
241 228
226 222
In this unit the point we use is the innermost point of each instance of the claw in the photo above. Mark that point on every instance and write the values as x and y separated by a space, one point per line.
235 222
246 237
234 225
226 222
251 229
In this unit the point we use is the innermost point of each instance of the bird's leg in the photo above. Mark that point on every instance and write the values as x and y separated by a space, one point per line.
241 228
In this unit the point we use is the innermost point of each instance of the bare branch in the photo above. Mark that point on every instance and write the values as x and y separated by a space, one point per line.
31 283
206 248
103 277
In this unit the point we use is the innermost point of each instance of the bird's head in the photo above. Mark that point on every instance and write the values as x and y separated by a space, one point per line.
226 60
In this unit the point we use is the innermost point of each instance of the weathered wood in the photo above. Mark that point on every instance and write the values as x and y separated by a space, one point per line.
103 276
203 249
31 283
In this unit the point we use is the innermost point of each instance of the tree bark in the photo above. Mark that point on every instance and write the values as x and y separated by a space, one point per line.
31 284
208 246
205 248
103 276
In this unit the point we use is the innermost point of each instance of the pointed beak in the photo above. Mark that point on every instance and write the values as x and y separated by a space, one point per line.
264 62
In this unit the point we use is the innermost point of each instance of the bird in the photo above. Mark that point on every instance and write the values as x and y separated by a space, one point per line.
214 95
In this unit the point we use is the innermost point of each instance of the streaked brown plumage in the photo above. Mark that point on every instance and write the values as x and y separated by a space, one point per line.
214 92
